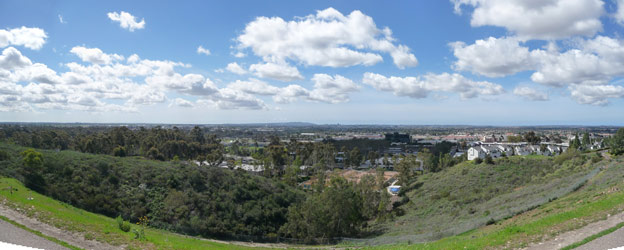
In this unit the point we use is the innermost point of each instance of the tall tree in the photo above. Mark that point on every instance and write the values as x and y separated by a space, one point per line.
617 142
355 157
586 141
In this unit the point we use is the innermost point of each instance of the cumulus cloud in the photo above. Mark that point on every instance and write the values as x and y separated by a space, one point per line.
202 50
94 55
254 86
595 94
619 14
332 89
234 99
420 87
328 38
277 71
235 68
25 85
286 94
594 62
530 94
126 20
32 38
12 58
61 20
179 102
530 19
494 57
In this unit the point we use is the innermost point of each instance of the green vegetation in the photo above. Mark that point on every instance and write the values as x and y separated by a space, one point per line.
100 228
617 143
599 197
182 197
468 196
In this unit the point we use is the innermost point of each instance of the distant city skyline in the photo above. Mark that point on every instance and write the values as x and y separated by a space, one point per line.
478 62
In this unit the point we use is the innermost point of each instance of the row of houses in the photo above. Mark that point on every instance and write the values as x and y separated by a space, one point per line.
500 150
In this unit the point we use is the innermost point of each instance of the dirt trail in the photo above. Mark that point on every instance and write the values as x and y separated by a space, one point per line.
74 239
571 237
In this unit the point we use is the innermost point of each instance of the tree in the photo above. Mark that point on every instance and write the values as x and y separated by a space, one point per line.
430 161
531 138
478 160
372 157
33 166
586 142
514 138
335 212
32 160
197 135
488 159
575 143
405 167
617 142
119 151
355 157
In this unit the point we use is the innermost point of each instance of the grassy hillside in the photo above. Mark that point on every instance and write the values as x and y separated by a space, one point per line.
469 196
94 226
597 199
177 196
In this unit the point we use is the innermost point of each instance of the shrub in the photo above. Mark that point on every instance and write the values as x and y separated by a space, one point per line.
123 225
478 161
4 155
489 160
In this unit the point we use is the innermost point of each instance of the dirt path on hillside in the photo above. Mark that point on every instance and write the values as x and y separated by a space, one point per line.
74 239
571 237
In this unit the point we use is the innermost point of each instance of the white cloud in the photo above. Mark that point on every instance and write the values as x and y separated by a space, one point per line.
332 89
286 94
254 86
95 55
126 20
239 54
595 61
277 71
596 94
530 94
12 58
542 19
179 102
234 99
202 50
492 57
235 68
32 38
61 19
326 39
619 14
420 87
290 94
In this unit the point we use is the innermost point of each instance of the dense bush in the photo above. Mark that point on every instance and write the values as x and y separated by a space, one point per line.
123 225
179 196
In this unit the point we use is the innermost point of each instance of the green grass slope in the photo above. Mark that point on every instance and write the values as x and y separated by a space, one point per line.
94 226
598 198
469 196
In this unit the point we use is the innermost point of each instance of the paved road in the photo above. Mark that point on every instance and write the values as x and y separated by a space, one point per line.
609 241
12 234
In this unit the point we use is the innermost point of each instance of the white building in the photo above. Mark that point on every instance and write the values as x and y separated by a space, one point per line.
482 151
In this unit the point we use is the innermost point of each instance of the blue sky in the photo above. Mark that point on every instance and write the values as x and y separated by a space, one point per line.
480 62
